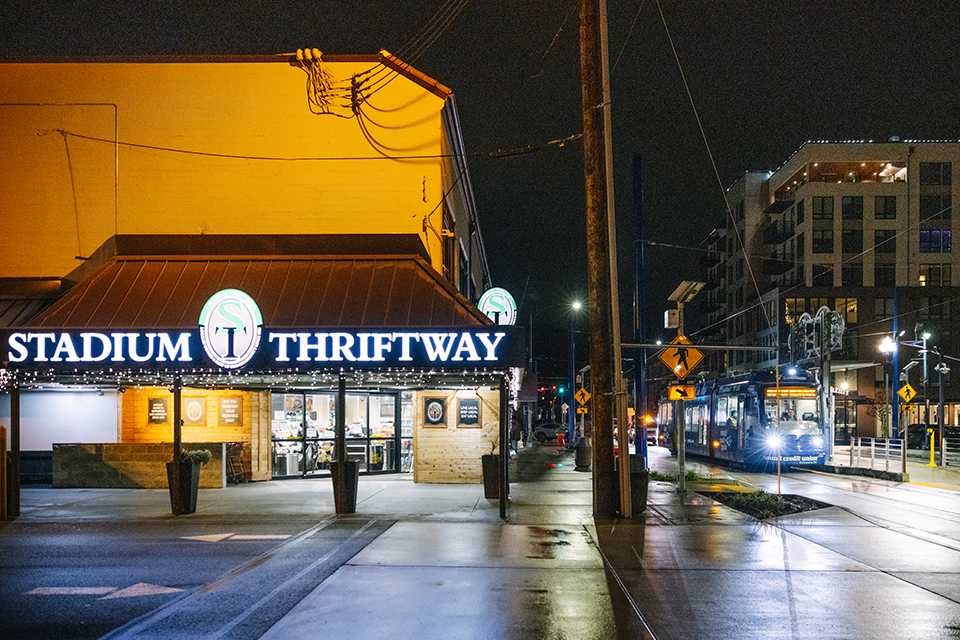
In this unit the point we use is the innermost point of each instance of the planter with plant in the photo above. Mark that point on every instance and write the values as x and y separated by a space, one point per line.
188 468
491 470
346 481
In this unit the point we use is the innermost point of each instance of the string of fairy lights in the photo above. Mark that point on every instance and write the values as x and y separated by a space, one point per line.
388 378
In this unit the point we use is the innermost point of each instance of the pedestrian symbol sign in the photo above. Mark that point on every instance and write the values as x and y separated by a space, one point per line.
681 356
907 393
582 396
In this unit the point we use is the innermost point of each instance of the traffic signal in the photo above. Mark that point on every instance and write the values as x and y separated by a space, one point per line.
560 390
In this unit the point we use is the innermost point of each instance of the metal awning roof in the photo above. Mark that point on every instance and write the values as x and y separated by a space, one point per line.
311 292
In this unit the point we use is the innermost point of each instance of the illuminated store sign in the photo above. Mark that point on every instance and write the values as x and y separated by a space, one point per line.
133 347
280 348
229 336
230 326
499 306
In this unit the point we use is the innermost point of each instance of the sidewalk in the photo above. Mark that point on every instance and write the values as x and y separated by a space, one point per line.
446 566
537 576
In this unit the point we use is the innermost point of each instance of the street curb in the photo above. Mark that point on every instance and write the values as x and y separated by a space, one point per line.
858 471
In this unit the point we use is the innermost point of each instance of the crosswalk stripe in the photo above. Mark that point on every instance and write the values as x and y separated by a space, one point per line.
70 591
141 589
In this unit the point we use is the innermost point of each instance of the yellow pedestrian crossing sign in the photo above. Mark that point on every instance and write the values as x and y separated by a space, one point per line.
907 393
681 356
582 396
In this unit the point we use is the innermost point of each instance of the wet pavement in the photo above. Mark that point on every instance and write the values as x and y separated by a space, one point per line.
436 561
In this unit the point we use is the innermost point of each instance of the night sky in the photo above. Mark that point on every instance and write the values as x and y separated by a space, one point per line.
765 76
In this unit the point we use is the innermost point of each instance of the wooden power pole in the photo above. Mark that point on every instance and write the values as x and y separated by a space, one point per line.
605 482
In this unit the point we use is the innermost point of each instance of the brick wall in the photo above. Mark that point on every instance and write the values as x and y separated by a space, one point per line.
128 466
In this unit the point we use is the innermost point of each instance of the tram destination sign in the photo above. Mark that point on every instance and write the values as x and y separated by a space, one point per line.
278 348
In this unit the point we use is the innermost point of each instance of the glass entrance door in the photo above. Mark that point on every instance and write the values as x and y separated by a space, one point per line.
382 455
320 418
303 432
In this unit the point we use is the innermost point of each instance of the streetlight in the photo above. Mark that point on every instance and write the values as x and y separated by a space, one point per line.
575 306
941 369
887 348
926 399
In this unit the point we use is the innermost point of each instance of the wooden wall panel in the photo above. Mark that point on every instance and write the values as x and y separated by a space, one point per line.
134 427
450 454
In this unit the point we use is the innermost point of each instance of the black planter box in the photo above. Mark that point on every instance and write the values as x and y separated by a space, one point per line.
491 476
186 502
346 480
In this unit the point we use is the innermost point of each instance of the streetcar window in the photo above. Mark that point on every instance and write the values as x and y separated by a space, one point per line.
793 416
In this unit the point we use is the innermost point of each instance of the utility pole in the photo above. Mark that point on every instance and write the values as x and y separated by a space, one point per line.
605 482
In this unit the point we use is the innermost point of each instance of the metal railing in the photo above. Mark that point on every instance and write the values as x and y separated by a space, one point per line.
951 452
877 453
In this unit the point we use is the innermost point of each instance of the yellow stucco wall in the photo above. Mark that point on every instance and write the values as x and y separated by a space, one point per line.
67 194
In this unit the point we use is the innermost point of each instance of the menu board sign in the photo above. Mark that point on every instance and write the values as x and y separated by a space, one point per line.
231 410
158 410
469 412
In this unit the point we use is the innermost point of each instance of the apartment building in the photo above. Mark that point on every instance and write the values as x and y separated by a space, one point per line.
862 228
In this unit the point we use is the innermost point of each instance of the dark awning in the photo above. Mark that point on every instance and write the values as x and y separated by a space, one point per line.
321 292
24 298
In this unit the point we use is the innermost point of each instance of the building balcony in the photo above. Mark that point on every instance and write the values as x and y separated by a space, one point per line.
777 266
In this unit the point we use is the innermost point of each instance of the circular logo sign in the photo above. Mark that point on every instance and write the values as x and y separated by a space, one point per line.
498 304
435 411
194 411
230 327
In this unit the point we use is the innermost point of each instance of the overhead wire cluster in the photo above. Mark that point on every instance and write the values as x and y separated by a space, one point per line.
321 91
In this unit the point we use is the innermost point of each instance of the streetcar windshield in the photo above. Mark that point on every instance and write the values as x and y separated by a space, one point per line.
794 416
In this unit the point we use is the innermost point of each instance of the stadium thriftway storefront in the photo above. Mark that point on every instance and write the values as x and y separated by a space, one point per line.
232 350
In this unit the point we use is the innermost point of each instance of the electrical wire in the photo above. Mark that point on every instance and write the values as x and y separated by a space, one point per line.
73 188
556 36
232 156
432 31
713 163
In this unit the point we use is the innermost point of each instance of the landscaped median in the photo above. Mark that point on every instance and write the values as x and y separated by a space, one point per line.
758 504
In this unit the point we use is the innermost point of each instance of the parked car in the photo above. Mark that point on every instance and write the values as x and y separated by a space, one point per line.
918 438
547 431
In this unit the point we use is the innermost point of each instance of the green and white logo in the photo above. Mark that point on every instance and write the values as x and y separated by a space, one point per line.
230 328
498 304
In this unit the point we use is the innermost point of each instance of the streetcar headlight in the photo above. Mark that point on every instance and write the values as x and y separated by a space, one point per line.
818 442
774 441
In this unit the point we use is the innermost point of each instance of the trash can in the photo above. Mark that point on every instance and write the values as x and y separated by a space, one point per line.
560 439
584 455
639 479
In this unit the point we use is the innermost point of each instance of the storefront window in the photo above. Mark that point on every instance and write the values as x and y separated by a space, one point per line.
406 431
371 434
383 449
